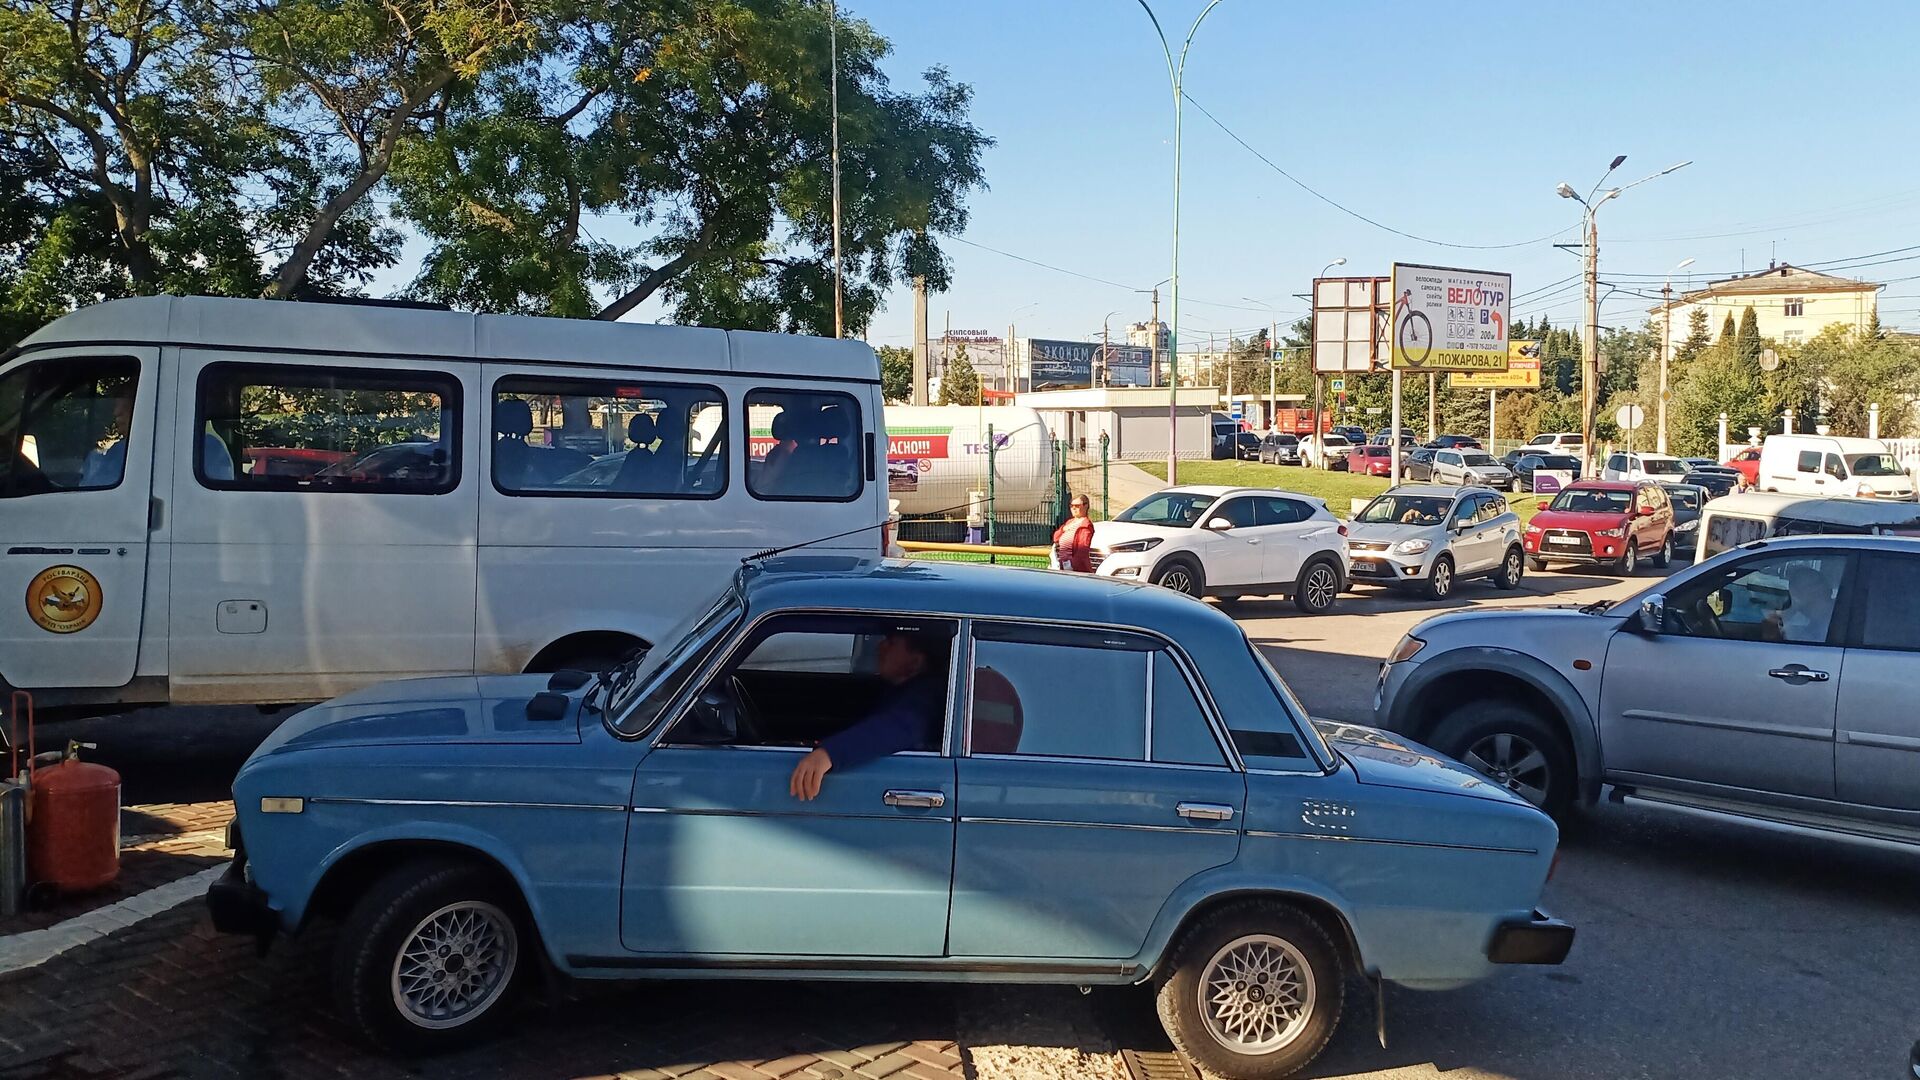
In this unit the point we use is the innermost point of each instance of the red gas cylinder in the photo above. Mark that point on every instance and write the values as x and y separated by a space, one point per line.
73 825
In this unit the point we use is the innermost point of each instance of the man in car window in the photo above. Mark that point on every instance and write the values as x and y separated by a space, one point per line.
1809 608
907 716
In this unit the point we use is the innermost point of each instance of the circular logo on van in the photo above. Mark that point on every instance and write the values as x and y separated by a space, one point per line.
63 599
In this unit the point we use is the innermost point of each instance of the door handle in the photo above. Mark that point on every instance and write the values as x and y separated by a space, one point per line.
1795 671
920 800
1205 811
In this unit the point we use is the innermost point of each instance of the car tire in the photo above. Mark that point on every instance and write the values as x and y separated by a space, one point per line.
1538 566
1236 1029
378 956
1629 563
1512 569
1318 587
1440 579
1665 558
1182 575
1500 739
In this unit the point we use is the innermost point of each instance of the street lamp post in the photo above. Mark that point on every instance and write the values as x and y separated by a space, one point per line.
1106 356
1176 72
1666 349
1590 336
1319 384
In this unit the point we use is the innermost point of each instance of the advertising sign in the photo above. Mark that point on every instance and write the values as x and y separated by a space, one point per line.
1523 371
1349 323
1549 481
1449 319
1063 365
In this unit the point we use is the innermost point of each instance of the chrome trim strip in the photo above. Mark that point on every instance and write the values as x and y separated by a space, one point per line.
1788 731
1287 772
339 801
1772 824
931 964
1229 831
1880 741
1108 762
1266 835
717 812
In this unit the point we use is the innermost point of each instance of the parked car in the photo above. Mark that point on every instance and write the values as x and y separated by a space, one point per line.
1433 536
1247 446
1455 442
1228 542
1469 467
1325 451
1406 434
1736 690
1280 448
1658 468
1829 465
1747 462
1353 433
1417 464
1689 502
1566 442
1524 463
1717 480
1745 517
1604 522
1384 439
1163 817
1371 460
1695 463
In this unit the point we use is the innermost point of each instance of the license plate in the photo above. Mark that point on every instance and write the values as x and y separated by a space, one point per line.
1368 566
1570 541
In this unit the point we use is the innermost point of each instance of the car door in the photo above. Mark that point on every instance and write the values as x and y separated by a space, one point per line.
77 455
1235 554
1467 527
1446 467
1084 801
1616 468
1288 535
1737 688
723 859
1877 744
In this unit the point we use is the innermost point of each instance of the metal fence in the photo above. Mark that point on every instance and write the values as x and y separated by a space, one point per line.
1013 495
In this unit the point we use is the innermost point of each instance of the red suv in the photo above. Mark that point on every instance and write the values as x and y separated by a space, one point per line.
1371 461
1612 523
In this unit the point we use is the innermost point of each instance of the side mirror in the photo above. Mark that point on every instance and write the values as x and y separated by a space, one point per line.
1219 524
1646 511
1653 614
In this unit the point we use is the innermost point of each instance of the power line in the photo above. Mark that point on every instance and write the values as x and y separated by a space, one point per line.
1302 185
1044 266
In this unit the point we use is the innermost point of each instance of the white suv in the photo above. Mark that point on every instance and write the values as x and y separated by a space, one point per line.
1565 442
1658 468
1228 542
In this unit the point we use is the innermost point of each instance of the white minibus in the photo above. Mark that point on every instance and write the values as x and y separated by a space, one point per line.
1733 520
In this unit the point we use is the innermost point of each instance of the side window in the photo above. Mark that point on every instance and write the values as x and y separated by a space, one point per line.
1274 511
1448 458
1809 461
270 427
1181 734
590 437
1491 507
1727 531
64 424
1059 693
1240 512
1617 463
1891 620
804 444
1781 598
1835 468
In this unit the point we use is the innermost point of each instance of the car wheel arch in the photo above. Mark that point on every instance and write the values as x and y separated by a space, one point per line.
343 878
1440 685
1321 909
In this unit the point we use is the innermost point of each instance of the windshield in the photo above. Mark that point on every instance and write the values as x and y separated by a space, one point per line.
1286 440
1337 440
1478 459
637 695
1590 501
1874 465
1405 510
1174 509
1558 463
1663 467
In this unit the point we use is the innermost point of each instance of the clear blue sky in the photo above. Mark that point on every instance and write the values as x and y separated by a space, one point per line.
1450 121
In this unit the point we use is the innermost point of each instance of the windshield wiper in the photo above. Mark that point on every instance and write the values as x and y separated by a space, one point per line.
1596 607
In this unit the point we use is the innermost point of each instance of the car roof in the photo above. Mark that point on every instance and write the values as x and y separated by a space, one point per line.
1908 545
962 590
1603 485
1223 490
1857 512
1442 490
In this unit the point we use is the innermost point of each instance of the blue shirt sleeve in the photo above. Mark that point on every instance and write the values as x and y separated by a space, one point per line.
899 723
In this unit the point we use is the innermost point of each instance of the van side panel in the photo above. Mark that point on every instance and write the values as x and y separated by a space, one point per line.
351 587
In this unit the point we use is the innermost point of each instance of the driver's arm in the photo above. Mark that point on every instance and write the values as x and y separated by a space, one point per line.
901 724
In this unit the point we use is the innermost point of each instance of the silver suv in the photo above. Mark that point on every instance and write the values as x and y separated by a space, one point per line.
1467 466
1772 685
1433 536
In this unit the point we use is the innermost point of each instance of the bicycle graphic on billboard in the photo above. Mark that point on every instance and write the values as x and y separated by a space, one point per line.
1415 330
1449 319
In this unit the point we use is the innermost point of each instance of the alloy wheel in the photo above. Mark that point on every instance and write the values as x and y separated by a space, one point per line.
454 964
1257 994
1321 588
1179 580
1513 762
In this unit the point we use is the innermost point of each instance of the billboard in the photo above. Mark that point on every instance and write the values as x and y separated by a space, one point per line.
1349 322
1063 365
1448 319
1523 371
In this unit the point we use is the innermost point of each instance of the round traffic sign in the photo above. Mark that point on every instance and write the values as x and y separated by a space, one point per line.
1629 417
1769 360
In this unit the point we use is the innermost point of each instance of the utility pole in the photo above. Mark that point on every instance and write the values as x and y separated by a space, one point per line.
1103 355
919 340
1153 340
1590 344
833 47
1433 406
1666 344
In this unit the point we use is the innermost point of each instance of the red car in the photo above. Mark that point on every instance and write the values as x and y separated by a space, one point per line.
1371 461
1748 462
1609 523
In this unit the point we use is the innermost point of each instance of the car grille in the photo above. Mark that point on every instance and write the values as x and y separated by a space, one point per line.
1095 558
1365 545
1556 540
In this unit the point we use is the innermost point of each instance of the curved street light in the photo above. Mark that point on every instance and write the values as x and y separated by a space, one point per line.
1176 72
1341 261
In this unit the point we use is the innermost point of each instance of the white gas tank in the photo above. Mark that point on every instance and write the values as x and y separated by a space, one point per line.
938 453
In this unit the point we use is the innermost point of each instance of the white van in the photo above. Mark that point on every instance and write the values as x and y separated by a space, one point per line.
1831 465
242 501
1733 520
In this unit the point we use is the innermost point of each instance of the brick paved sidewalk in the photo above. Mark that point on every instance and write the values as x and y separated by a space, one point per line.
158 843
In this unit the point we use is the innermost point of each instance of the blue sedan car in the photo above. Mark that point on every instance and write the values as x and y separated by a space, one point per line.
886 770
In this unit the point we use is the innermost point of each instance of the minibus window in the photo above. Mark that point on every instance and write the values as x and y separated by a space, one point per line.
805 445
272 427
1728 531
64 424
611 439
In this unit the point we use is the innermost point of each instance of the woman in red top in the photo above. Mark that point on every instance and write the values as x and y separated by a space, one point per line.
1073 540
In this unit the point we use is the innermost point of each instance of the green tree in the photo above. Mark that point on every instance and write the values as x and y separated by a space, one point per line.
960 383
1727 331
1698 338
1855 369
1720 381
896 373
1747 342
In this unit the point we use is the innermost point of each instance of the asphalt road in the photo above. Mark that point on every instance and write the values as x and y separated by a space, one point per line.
1703 950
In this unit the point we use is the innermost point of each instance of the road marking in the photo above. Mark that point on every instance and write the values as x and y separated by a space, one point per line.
19 952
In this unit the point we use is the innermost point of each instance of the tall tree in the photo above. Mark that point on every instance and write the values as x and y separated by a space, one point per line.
1697 339
960 383
896 373
1747 342
1727 331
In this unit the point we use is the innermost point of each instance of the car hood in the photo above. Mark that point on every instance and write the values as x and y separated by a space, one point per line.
1389 531
1108 533
1383 760
1467 626
462 709
1573 519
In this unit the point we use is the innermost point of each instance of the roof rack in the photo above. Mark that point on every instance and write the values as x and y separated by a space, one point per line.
374 301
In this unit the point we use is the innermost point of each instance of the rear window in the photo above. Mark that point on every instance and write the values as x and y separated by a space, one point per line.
587 437
805 445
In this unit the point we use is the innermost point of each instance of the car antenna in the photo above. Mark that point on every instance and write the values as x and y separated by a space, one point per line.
760 556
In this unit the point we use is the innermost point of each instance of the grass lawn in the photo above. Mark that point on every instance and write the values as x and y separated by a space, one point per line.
1337 488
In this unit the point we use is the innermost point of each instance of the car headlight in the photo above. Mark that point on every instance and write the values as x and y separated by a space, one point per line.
1407 649
1686 526
1531 528
1613 534
1412 547
1126 571
1148 544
